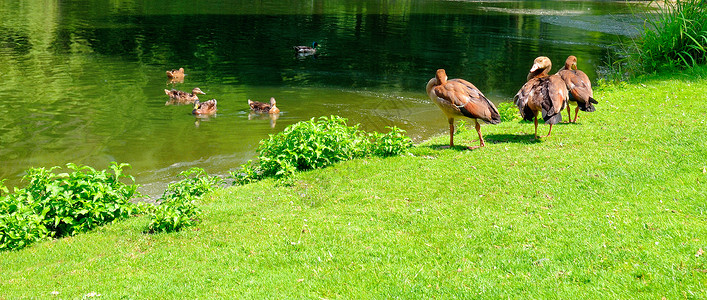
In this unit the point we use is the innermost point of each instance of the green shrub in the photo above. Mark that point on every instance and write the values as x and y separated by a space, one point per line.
20 226
393 143
674 37
508 111
316 144
55 205
177 208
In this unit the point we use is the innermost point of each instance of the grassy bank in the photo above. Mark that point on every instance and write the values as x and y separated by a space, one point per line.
612 207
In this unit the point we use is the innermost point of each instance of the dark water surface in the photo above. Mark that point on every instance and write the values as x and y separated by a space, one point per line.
83 81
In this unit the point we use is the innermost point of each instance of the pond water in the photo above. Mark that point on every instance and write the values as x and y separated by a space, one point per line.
83 81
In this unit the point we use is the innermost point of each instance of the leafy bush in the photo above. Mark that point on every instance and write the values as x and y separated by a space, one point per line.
315 144
55 205
393 143
177 208
508 111
20 226
674 37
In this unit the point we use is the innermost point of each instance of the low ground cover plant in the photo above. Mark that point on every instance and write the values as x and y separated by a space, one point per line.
177 207
318 143
56 205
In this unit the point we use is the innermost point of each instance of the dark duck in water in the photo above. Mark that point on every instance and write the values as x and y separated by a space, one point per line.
306 50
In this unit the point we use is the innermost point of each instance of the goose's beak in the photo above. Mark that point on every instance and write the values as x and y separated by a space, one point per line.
534 67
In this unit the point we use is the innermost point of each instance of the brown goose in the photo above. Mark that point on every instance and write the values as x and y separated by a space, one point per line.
260 107
542 93
204 108
579 86
180 97
460 98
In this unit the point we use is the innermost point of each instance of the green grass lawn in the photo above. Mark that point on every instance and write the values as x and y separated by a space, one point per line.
612 207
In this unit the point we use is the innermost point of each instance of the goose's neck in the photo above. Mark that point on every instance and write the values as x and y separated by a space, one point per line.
539 73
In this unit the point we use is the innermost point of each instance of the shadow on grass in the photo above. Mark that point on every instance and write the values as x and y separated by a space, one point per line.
511 138
490 139
457 147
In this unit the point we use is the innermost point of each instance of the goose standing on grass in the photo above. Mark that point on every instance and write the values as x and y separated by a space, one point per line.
260 107
460 98
180 97
542 93
306 50
579 87
204 108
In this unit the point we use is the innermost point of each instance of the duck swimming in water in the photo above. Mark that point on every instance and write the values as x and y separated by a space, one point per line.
204 108
176 74
260 107
306 49
181 97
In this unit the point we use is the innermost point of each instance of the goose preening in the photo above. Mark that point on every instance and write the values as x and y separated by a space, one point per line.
181 97
579 87
204 108
460 98
542 93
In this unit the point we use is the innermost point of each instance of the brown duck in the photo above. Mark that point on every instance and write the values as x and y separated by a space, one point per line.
542 93
180 97
260 107
579 87
460 98
176 74
204 108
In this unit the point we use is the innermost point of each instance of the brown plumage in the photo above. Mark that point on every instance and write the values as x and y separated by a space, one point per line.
460 98
542 93
579 87
204 108
260 107
176 74
180 97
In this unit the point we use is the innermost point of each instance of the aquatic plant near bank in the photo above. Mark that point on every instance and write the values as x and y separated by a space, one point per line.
677 37
177 207
56 205
316 144
674 37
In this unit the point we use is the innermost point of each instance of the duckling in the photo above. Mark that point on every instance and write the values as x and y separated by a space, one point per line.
542 93
260 107
460 98
579 86
204 108
306 49
176 74
180 97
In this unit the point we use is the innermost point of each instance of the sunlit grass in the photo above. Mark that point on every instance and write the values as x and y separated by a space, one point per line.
612 207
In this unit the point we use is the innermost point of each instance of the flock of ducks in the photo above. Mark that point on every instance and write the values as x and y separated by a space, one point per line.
207 108
180 97
542 93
